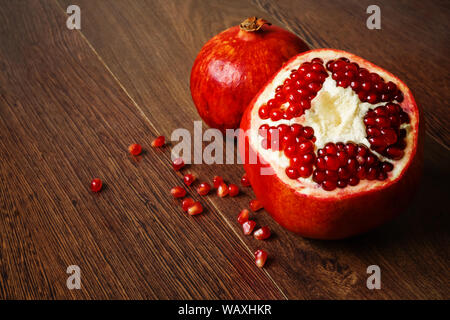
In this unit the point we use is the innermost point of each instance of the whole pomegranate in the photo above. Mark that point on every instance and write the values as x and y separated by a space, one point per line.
232 66
337 144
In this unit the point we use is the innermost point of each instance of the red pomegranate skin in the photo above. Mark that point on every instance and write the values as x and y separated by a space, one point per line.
231 68
332 218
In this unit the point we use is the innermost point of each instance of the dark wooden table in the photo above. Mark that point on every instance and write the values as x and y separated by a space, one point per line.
72 101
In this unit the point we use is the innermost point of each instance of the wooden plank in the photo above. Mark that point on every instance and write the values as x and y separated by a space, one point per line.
64 119
150 47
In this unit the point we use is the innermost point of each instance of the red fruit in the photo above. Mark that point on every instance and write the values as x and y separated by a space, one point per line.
135 149
177 164
248 227
232 66
365 164
158 142
260 258
255 205
233 190
178 192
188 179
222 190
196 208
217 181
244 181
243 216
262 233
96 185
187 203
203 188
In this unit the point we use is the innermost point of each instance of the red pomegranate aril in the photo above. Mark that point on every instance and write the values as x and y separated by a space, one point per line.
217 181
158 142
188 179
248 226
233 190
343 173
366 86
321 163
371 173
255 205
260 258
178 192
222 190
319 176
245 182
372 98
352 164
341 184
353 181
330 148
177 164
377 141
305 147
292 173
361 172
355 85
187 203
262 233
395 153
203 188
308 158
331 175
373 131
195 209
342 157
276 115
387 167
96 185
307 132
329 185
243 216
135 149
332 162
305 171
382 122
351 149
264 112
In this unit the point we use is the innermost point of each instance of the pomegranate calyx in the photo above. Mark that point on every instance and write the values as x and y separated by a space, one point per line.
253 24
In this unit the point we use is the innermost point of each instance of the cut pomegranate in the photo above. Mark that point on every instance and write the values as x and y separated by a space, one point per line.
244 181
159 142
187 203
233 190
341 136
222 190
248 227
262 233
203 188
178 164
260 258
188 179
255 205
96 185
196 208
243 216
178 192
135 149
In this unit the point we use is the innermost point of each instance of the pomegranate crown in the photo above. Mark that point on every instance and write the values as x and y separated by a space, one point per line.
253 24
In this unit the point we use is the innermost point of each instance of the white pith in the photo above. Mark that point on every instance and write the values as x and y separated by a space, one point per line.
336 115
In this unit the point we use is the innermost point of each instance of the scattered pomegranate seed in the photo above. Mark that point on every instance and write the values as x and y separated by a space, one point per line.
233 190
158 142
96 185
135 149
244 181
248 227
178 164
262 233
187 203
203 189
243 216
196 208
260 258
178 192
222 190
188 179
255 205
217 181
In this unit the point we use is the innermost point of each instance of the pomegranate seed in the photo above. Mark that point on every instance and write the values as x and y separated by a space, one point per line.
135 149
248 227
217 181
292 173
262 233
329 185
305 171
233 190
353 181
158 142
222 190
203 189
178 192
96 185
196 208
244 181
188 179
255 205
260 258
319 176
264 112
243 216
332 162
187 203
178 164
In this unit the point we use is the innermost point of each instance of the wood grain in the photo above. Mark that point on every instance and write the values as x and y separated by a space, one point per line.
69 116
